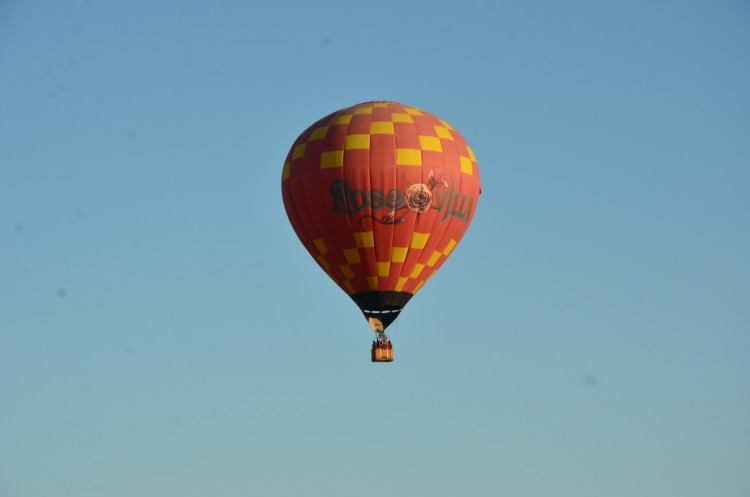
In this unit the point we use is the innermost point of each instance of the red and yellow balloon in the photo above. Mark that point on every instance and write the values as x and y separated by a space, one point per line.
380 194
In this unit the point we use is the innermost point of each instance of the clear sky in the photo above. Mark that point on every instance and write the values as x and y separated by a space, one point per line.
164 333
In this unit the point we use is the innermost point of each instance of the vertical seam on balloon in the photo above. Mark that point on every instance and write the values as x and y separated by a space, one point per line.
307 204
293 198
312 217
474 177
298 224
334 270
346 172
475 186
344 176
392 226
475 180
347 218
411 221
470 190
451 235
372 271
437 217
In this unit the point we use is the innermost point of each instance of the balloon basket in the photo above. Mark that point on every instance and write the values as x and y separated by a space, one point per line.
382 349
382 355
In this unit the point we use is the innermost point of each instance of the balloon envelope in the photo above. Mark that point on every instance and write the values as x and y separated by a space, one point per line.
380 194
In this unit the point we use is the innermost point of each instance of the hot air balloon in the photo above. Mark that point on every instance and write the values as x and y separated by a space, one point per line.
380 194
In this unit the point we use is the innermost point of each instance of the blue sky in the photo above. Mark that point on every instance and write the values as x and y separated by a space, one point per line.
163 332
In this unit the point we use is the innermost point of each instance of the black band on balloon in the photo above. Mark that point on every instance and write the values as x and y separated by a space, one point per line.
385 306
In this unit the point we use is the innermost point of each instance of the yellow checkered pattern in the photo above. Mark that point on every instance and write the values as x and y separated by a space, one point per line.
345 265
348 274
350 259
400 115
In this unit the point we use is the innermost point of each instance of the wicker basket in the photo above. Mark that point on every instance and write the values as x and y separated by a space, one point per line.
382 355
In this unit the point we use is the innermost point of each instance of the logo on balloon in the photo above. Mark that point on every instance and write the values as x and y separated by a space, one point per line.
419 198
436 194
